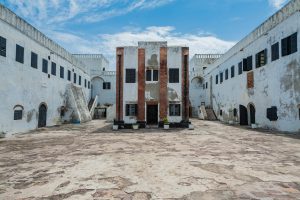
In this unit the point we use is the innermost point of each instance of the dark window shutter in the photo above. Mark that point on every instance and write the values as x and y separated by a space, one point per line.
148 75
249 63
136 109
266 56
257 60
127 109
2 46
155 75
284 46
294 43
245 66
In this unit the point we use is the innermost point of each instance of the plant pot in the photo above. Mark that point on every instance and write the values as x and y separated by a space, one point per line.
166 126
135 126
191 127
115 127
253 126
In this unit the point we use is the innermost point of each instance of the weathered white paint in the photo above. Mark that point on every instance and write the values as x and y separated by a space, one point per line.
275 84
23 85
152 61
198 63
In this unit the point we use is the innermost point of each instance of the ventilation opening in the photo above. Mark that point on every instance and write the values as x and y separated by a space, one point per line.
18 112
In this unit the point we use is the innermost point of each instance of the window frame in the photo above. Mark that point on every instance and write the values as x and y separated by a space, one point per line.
62 72
20 53
174 76
174 110
53 68
261 58
131 110
69 75
45 66
275 52
34 60
3 46
106 85
130 75
18 112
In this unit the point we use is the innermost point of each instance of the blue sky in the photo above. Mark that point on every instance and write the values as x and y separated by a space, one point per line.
99 26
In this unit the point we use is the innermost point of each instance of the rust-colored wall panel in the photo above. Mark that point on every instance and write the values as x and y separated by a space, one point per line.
163 81
119 83
185 83
250 80
141 85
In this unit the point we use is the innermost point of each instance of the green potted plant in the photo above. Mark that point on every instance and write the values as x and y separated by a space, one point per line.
166 123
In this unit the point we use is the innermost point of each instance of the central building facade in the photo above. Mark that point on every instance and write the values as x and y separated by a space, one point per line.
152 84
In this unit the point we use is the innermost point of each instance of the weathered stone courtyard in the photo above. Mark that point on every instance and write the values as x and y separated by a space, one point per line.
90 161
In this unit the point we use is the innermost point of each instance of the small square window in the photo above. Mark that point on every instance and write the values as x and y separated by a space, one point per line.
62 72
19 54
155 75
74 78
275 51
174 109
131 110
53 68
34 60
148 75
2 46
173 75
106 85
45 66
69 75
130 75
232 71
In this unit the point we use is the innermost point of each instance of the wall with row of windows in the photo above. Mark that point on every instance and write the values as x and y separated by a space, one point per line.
262 73
33 74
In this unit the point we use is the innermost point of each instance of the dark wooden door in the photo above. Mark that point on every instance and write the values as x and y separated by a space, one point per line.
42 116
243 116
252 114
152 114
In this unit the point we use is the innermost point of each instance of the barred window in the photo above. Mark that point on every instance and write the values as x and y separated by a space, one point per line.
174 109
19 54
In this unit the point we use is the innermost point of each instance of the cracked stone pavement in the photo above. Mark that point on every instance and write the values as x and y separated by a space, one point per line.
90 161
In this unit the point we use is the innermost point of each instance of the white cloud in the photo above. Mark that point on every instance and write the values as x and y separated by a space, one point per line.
107 43
59 11
277 3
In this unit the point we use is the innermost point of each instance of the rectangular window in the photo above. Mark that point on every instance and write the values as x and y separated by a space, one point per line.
79 80
275 51
130 75
69 75
155 75
2 46
232 71
289 45
148 75
173 75
34 60
106 85
240 68
18 114
221 77
53 68
217 79
45 66
74 80
62 72
131 110
85 83
89 85
19 54
247 64
261 58
226 74
174 109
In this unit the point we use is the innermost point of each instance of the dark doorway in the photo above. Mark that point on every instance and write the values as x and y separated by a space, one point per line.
152 114
243 116
252 114
42 116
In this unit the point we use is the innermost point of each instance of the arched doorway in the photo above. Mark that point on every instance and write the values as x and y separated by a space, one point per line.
243 116
251 109
97 86
42 122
